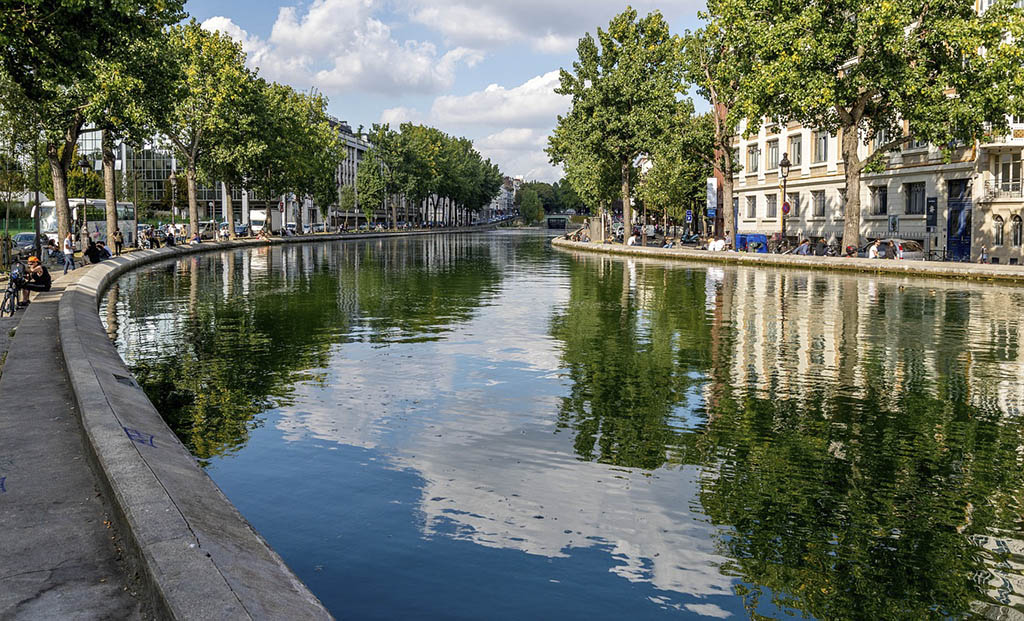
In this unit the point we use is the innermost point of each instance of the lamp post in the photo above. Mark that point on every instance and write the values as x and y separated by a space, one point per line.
784 166
174 197
86 168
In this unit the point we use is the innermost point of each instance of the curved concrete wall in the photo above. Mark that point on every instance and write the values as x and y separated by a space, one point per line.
932 269
198 557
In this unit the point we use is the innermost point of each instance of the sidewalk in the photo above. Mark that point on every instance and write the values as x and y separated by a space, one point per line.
60 559
932 269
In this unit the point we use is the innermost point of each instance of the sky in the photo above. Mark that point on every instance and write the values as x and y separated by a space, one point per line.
484 69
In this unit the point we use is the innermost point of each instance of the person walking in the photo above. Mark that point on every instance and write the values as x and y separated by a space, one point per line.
69 252
118 238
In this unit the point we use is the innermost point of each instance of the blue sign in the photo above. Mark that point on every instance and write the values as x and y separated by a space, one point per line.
711 213
689 216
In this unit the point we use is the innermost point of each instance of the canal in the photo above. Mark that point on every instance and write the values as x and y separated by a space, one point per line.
480 426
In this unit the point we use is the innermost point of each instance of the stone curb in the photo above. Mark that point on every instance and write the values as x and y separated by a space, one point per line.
198 558
1004 274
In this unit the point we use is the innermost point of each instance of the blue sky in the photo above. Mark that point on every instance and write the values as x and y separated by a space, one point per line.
478 68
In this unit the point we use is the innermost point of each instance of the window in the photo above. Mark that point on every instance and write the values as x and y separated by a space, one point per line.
753 155
881 138
1009 173
773 155
1018 120
751 207
820 146
915 198
918 144
773 205
879 201
819 203
1015 232
796 150
794 204
997 231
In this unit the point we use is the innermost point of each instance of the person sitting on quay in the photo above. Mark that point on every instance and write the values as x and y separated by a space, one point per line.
93 253
195 239
37 278
170 237
104 252
632 240
804 249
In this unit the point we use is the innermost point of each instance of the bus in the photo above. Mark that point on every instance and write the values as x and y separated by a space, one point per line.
96 219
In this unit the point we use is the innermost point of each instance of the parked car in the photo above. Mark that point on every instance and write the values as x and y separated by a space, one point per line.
318 227
912 250
242 230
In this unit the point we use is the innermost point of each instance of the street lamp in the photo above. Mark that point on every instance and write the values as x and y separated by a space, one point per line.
784 166
86 167
174 197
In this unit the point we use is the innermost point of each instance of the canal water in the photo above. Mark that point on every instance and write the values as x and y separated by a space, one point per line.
481 426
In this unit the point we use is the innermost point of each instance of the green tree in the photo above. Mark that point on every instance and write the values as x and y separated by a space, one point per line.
52 52
944 68
718 66
624 94
347 201
421 152
676 180
371 184
530 207
207 101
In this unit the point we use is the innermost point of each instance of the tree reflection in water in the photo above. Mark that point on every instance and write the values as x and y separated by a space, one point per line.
245 328
853 435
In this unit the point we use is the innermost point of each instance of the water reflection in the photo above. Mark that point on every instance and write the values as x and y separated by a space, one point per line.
730 442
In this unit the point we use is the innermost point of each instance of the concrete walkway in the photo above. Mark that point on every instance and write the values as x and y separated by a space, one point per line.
60 558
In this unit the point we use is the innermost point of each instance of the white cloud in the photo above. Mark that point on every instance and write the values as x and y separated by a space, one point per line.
520 119
339 45
531 104
550 27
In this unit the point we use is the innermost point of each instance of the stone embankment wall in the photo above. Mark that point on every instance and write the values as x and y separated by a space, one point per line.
931 269
197 557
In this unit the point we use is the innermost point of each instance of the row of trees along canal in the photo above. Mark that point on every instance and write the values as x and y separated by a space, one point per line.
134 70
887 72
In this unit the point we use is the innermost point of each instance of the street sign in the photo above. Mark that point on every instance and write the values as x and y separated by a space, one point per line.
932 211
280 207
712 213
785 208
689 216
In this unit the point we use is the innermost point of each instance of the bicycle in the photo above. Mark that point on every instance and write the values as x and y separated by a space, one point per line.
9 304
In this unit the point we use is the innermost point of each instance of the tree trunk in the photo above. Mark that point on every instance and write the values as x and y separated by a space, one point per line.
109 186
60 191
394 214
627 210
299 206
193 204
728 213
853 166
229 210
643 228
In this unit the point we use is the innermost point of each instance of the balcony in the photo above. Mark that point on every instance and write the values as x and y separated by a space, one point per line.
1002 191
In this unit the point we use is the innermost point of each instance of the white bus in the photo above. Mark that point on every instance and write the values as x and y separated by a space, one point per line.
96 219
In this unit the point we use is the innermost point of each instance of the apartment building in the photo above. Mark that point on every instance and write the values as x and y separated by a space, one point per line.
957 204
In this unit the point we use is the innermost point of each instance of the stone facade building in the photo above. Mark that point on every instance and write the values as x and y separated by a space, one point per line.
956 204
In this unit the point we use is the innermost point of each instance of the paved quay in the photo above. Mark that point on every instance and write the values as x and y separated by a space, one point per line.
1007 274
103 512
61 557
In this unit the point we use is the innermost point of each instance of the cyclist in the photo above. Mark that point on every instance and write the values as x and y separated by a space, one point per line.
37 278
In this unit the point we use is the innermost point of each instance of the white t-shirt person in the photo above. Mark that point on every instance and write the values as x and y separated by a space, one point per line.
873 251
